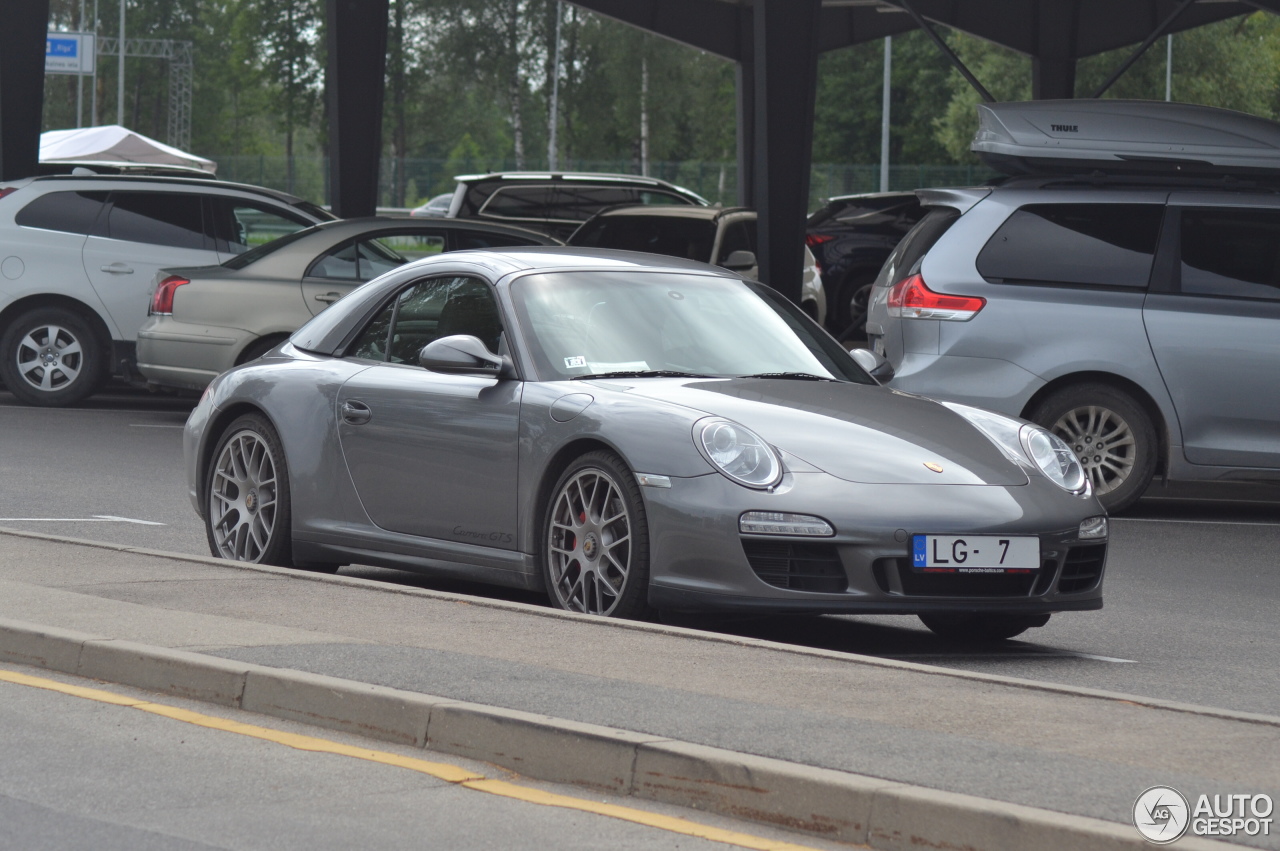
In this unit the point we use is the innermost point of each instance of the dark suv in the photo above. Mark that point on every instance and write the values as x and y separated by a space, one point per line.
557 203
850 237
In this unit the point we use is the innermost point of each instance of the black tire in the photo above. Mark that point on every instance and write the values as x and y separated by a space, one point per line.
1120 457
595 544
974 626
246 495
849 319
52 357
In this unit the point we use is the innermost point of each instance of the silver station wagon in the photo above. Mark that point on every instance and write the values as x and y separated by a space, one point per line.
1131 306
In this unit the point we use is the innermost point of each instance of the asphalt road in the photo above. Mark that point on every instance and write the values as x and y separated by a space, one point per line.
84 774
1191 591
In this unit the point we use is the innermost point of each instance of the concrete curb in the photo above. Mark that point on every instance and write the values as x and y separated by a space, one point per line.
833 804
662 629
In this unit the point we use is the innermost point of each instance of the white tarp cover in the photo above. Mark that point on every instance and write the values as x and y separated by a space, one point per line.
115 144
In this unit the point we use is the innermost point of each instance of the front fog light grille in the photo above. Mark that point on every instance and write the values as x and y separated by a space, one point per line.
1093 528
798 565
1082 570
780 523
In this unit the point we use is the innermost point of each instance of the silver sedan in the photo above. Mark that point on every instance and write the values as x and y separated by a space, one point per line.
628 433
206 319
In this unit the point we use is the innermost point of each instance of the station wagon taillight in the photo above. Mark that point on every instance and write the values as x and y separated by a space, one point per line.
911 299
162 298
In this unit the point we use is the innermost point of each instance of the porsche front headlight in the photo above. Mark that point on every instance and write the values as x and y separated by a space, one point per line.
1053 458
1029 444
738 453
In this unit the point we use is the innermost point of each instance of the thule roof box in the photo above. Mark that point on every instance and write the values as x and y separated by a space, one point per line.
1125 137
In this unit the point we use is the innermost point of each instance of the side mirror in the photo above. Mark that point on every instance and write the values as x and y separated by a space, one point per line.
877 366
739 261
462 354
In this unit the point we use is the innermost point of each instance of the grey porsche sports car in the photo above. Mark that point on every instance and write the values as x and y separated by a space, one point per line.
634 433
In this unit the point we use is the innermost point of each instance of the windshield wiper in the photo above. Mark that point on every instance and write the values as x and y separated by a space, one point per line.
641 373
794 376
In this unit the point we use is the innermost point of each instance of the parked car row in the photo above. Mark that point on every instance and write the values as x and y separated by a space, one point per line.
80 257
155 240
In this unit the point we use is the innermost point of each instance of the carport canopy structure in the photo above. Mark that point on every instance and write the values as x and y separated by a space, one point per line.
775 43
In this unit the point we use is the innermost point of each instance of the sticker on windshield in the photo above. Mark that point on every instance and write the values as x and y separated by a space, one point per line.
622 366
574 362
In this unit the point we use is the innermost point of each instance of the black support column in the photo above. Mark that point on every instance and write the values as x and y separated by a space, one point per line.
785 60
354 87
745 84
1053 64
22 41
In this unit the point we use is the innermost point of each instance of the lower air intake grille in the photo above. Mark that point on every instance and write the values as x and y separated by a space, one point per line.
801 566
1082 569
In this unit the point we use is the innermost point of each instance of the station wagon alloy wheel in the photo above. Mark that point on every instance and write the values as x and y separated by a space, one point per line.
51 357
1111 434
247 513
595 550
1102 441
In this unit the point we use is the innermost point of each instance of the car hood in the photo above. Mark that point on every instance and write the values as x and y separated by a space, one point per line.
859 433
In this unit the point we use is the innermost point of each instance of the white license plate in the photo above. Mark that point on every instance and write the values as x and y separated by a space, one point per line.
974 553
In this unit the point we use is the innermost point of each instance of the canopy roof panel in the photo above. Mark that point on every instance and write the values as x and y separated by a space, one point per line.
1070 28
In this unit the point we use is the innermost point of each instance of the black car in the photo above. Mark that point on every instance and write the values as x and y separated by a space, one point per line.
851 237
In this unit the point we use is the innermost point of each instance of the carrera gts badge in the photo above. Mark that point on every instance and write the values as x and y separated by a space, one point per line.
937 468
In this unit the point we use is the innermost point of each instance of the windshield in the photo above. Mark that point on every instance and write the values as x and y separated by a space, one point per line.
580 324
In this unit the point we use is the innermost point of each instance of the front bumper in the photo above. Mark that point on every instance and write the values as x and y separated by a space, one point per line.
701 562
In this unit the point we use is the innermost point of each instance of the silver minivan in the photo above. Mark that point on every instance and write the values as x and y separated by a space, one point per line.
1137 319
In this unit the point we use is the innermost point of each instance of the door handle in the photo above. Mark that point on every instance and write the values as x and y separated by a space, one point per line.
356 413
118 269
328 298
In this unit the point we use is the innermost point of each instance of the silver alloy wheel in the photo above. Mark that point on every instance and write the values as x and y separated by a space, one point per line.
589 543
242 498
49 357
1103 442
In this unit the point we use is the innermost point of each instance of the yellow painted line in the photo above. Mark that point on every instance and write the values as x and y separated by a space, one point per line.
673 824
439 770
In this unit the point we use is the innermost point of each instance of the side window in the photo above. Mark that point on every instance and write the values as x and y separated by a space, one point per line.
341 263
440 307
1109 245
521 202
466 239
357 261
736 238
70 212
1231 252
158 218
411 246
240 225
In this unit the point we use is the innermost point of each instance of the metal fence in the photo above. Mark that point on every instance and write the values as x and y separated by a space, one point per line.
715 181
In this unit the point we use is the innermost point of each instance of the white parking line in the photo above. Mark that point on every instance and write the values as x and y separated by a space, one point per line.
97 518
943 658
1205 522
